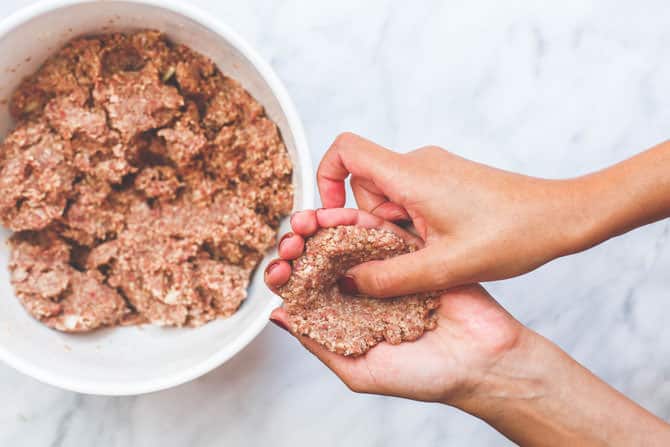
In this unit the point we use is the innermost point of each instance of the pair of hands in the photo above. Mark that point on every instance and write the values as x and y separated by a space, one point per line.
444 365
477 224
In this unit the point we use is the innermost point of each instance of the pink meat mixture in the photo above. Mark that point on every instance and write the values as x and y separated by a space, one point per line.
142 184
351 325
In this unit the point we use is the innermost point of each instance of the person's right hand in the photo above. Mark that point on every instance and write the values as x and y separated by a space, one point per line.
478 223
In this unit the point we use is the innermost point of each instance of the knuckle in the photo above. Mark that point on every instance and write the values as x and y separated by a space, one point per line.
344 140
430 149
439 275
379 282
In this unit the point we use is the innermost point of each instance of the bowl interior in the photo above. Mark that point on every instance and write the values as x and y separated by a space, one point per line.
133 359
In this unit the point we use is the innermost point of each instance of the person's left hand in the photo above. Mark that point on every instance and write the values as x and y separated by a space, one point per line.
474 333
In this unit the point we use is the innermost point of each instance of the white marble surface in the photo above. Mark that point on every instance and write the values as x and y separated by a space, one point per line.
546 88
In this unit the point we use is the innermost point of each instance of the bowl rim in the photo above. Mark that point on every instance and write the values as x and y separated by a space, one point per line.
248 333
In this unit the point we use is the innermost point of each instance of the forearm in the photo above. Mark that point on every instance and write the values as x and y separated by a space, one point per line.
618 199
537 395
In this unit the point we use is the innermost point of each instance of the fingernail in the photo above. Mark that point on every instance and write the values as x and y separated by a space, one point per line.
347 285
271 266
283 238
280 324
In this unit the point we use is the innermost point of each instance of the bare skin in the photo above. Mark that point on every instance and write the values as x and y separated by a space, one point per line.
481 223
473 330
478 223
481 360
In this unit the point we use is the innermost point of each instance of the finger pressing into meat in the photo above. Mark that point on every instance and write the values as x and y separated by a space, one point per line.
277 273
304 222
291 246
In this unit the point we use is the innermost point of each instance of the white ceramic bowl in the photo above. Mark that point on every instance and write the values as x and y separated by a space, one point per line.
136 360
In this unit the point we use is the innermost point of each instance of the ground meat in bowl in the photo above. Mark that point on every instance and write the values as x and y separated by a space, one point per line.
346 324
142 185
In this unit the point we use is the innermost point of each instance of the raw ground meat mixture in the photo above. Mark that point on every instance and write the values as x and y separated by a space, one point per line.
345 324
143 186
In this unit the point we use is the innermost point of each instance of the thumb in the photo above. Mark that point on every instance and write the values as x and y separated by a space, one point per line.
420 271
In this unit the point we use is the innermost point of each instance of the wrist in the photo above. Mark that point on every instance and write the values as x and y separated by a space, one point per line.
618 199
536 394
512 377
558 218
526 397
582 212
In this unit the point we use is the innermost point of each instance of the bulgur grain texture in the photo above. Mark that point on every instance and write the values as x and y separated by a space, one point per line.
345 324
143 185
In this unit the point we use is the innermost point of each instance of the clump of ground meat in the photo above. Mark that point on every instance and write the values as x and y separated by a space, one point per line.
143 185
56 293
345 324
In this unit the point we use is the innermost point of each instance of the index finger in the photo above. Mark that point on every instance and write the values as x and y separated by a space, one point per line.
351 370
351 154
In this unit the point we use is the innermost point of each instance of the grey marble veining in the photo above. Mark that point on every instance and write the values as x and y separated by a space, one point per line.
551 89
